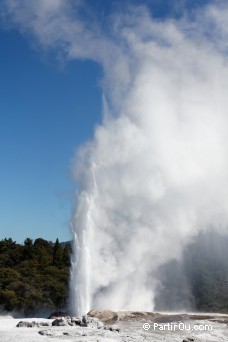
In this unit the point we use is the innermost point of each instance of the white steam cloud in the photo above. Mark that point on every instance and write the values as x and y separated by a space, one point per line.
156 172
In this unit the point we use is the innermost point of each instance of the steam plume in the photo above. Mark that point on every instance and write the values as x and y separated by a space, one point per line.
155 173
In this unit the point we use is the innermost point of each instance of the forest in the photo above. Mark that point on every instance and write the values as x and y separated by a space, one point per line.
34 276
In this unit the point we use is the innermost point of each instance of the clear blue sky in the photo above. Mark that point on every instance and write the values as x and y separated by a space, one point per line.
47 109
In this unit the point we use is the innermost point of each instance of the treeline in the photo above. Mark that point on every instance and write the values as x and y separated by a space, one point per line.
199 282
34 276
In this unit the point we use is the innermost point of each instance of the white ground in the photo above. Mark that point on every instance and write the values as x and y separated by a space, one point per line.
130 331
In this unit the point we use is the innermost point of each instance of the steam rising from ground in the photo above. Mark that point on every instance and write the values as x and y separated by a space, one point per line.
155 173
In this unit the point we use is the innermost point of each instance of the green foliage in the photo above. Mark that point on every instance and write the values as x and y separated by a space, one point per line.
66 255
57 259
8 275
6 244
33 276
28 242
8 300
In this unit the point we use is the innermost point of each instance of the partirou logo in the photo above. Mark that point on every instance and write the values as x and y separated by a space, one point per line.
179 326
146 326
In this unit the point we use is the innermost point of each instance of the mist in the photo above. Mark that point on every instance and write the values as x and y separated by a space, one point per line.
155 174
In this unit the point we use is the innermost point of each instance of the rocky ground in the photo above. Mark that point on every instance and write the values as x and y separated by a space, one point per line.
127 326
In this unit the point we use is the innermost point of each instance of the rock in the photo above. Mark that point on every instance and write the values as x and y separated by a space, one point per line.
26 324
32 324
66 333
188 339
43 324
91 322
60 322
105 316
76 320
84 321
45 333
64 321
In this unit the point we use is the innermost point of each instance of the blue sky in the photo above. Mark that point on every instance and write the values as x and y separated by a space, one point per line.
48 108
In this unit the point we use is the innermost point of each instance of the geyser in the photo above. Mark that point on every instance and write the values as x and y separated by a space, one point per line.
155 173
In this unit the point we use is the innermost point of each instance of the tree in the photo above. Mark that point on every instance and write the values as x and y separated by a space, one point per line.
28 242
8 276
6 244
57 259
66 255
8 300
43 251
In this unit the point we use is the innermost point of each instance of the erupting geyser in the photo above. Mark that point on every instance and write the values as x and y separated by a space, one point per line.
156 172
